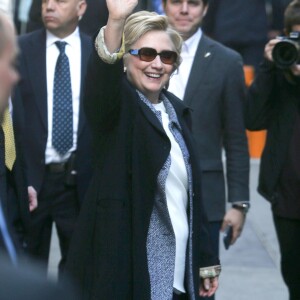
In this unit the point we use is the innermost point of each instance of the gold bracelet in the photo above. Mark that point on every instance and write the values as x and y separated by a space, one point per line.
103 52
209 272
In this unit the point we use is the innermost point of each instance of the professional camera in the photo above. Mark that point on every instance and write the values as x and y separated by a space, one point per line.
287 52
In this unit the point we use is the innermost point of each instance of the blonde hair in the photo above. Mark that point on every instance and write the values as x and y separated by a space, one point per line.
142 22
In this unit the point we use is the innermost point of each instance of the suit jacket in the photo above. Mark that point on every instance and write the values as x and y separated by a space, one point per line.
14 195
108 256
30 111
215 92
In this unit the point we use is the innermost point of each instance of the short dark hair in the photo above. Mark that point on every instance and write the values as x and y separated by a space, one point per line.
292 15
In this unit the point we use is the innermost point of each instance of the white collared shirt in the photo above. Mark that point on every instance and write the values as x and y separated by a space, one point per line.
73 51
179 79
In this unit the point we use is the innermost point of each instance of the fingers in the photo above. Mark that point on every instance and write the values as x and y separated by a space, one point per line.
236 219
269 49
208 286
236 232
32 198
295 69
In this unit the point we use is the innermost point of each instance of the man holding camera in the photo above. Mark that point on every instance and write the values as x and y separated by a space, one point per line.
273 104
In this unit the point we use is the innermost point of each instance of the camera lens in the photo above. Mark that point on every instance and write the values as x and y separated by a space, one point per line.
285 54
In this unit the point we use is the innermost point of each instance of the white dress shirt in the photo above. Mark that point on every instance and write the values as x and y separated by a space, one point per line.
73 51
7 6
179 79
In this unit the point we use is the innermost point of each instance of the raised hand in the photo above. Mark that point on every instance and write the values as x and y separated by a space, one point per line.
120 9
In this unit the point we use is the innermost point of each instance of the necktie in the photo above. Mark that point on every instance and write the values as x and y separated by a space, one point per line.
9 140
62 130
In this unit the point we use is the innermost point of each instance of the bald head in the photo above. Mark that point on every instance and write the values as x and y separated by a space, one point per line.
8 52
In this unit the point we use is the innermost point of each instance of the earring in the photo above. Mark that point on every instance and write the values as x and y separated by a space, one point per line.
125 69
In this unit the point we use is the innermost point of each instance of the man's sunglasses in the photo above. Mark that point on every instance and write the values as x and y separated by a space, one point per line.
149 54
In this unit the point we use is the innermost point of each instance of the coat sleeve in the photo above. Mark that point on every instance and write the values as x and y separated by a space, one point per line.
261 101
234 136
102 97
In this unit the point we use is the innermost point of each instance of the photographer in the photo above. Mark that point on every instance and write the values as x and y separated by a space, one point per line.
273 104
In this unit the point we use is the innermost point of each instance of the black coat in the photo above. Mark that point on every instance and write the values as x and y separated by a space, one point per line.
272 104
108 253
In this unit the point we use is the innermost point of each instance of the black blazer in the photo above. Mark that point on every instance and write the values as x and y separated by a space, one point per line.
108 256
215 92
30 111
14 195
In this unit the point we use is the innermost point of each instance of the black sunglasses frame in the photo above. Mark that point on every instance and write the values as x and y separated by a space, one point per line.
166 56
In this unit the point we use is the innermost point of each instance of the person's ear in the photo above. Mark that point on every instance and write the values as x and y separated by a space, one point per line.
81 8
205 10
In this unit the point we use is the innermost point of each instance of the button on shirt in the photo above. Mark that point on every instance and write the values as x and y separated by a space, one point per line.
180 78
73 51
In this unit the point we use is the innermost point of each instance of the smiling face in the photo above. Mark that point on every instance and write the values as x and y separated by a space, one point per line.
185 15
150 77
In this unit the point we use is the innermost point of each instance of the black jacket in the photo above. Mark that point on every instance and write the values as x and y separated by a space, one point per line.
272 104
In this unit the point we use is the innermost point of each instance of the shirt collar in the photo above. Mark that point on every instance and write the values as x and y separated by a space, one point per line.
70 39
190 45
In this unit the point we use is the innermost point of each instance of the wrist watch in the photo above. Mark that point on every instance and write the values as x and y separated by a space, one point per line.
242 206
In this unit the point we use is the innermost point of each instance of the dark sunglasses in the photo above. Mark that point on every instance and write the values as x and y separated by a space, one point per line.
149 54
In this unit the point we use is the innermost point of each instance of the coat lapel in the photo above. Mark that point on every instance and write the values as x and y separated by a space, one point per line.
150 116
203 57
85 54
37 73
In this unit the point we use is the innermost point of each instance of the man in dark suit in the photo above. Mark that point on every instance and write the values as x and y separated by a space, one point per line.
50 123
210 80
